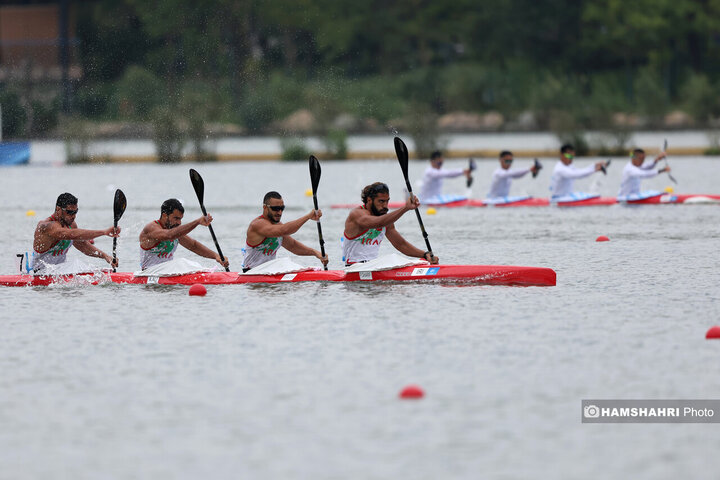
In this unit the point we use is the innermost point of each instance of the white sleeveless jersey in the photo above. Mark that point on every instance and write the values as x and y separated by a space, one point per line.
159 253
262 252
363 247
55 255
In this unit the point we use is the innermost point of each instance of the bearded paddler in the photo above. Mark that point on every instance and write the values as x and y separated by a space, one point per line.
56 234
367 225
159 239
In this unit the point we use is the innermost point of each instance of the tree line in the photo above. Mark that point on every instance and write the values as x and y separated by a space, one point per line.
572 65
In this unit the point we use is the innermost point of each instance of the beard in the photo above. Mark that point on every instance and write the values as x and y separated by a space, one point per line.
377 212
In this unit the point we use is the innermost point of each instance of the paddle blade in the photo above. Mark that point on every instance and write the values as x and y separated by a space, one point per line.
402 156
314 173
537 166
119 205
198 184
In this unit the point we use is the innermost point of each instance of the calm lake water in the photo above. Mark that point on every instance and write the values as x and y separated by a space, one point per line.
301 380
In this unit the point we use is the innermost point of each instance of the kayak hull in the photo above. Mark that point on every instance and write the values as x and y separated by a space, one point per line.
689 199
469 274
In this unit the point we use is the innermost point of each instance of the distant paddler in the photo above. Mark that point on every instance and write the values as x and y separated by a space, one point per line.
266 234
635 171
56 234
368 225
565 174
159 239
432 181
502 178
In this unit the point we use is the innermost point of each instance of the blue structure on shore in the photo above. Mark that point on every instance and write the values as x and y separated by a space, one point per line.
14 153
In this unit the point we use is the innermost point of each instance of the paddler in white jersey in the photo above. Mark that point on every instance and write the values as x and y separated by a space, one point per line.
503 175
56 234
159 239
432 181
366 226
266 234
636 170
564 175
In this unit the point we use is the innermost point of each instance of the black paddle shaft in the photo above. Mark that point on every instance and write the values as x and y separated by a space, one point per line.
199 186
402 156
315 171
119 204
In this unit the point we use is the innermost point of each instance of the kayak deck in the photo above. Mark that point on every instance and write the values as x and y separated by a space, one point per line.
469 274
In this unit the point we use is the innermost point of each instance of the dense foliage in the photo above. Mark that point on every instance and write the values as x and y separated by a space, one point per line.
252 62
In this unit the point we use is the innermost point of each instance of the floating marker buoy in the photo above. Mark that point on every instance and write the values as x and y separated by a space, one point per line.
30 213
431 211
308 192
198 290
669 189
412 392
602 238
714 332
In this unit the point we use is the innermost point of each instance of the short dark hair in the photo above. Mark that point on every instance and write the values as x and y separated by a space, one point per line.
638 150
505 152
170 205
65 199
272 194
566 148
372 190
435 154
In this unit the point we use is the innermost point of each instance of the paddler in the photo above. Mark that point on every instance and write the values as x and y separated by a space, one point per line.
503 175
56 234
432 181
159 239
565 174
266 234
367 225
636 170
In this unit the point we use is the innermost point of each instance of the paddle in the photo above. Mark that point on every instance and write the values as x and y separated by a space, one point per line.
471 167
402 156
119 205
315 180
537 166
199 186
672 179
604 167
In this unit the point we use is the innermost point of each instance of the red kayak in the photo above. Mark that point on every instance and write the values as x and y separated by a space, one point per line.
660 199
466 274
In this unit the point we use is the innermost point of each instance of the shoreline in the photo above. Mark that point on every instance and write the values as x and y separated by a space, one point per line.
377 147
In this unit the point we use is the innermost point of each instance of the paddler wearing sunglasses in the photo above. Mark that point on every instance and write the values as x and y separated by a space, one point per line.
266 234
160 238
56 234
367 225
503 175
565 174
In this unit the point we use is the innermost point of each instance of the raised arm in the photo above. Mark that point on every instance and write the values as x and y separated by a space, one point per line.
264 228
154 233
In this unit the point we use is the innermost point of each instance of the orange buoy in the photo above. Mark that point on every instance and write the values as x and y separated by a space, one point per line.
602 238
198 290
714 332
412 392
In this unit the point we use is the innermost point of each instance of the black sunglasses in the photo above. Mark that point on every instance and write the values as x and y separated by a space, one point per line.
70 212
277 208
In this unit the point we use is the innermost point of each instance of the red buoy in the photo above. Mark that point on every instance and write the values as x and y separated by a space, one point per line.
198 289
714 332
602 238
412 392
